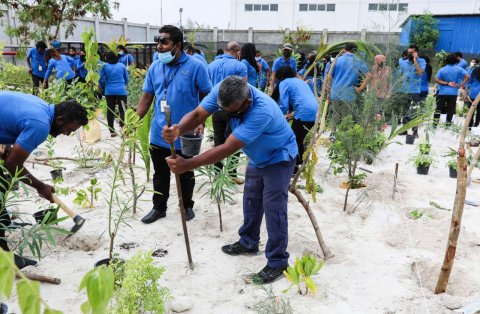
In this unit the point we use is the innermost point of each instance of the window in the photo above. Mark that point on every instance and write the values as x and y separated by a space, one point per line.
402 6
265 7
312 7
257 7
373 7
273 7
382 7
331 7
248 7
303 7
321 7
392 7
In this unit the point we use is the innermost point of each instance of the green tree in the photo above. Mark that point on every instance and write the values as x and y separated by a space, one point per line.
423 31
42 19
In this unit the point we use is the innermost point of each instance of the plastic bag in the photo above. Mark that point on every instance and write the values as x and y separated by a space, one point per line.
92 132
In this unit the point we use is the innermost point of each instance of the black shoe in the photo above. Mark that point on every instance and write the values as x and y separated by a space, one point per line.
237 249
154 215
189 214
23 262
268 275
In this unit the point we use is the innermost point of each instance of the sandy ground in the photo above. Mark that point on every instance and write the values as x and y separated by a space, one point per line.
385 261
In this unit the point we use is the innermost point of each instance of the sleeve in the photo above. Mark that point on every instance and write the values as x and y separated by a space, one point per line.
79 65
148 84
242 70
32 135
209 103
422 64
464 72
363 68
265 65
70 61
125 75
284 99
50 68
130 59
102 79
252 127
439 74
202 81
275 65
294 65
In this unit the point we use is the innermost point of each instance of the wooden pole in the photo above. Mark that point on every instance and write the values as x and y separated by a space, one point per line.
395 181
180 195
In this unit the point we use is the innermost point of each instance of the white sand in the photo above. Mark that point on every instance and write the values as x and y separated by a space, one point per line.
377 249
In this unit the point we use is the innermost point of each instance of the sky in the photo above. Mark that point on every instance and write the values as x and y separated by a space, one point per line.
148 11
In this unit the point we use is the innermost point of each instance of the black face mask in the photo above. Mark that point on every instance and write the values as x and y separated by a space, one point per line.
73 55
287 53
410 57
381 64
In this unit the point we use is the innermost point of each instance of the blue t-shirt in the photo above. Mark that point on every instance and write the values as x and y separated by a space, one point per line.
201 58
126 59
37 62
62 66
474 84
225 66
217 57
73 60
462 63
80 70
262 80
252 76
155 56
264 130
295 92
411 80
186 79
345 76
24 120
450 73
114 79
281 62
424 83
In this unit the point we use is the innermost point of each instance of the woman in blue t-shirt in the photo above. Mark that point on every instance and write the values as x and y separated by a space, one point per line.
124 57
59 63
113 81
247 57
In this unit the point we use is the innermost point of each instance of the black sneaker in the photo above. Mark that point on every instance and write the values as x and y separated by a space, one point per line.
23 262
154 215
268 275
189 214
237 249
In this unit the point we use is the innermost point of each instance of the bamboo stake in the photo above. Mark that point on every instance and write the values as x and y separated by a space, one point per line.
458 205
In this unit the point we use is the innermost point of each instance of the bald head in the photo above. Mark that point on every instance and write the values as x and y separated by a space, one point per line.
233 48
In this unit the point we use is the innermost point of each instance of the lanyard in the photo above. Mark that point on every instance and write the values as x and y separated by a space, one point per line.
165 82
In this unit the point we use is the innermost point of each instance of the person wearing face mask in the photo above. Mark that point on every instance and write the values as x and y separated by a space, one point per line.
59 63
181 82
80 70
263 134
247 57
226 65
379 78
72 53
285 60
472 66
124 57
37 66
265 71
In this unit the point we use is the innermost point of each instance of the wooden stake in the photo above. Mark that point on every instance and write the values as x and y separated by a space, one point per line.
395 181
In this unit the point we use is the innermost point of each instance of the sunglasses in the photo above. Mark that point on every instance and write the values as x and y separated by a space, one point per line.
163 40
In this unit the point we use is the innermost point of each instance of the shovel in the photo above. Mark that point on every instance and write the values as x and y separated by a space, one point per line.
77 219
179 192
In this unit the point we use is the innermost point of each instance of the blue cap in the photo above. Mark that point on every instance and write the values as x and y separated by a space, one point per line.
56 44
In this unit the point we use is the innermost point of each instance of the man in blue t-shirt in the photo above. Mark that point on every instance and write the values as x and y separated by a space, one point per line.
345 78
265 72
460 61
181 82
25 122
285 60
449 79
37 66
262 132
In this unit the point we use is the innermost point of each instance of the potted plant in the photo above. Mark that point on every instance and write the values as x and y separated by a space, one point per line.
425 148
452 167
422 163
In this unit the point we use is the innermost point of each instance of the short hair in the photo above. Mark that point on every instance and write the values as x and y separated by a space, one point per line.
257 51
351 47
451 59
284 73
475 60
72 111
413 47
233 90
72 48
427 59
111 57
220 52
175 33
458 54
190 48
41 45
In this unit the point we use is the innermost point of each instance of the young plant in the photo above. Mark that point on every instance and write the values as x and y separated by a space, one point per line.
424 148
86 198
272 303
52 162
99 285
422 160
220 181
452 164
301 274
138 290
416 214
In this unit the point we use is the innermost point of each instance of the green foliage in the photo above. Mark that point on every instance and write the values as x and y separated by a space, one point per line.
50 143
134 86
143 136
14 77
309 171
441 56
139 291
424 148
272 304
318 187
99 286
376 143
424 31
416 214
452 164
438 206
86 198
422 160
302 272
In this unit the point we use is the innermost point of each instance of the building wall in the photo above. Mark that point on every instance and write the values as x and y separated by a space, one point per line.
348 15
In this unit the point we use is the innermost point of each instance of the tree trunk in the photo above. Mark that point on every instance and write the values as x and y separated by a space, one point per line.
458 205
220 215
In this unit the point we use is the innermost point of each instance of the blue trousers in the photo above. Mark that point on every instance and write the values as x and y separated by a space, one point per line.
266 191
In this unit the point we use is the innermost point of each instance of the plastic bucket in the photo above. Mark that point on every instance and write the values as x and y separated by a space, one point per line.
423 170
191 144
57 173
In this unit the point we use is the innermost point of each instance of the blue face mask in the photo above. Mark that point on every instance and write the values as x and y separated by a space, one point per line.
166 57
121 52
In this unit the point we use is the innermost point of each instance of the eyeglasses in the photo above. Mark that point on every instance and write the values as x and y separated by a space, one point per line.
238 114
163 40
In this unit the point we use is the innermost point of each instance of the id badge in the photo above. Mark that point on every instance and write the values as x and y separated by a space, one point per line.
163 104
40 68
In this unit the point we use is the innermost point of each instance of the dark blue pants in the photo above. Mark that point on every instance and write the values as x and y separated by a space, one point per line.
266 191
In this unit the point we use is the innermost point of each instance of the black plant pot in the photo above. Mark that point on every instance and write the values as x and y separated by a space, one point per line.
410 139
106 262
3 308
423 170
57 173
452 172
40 215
